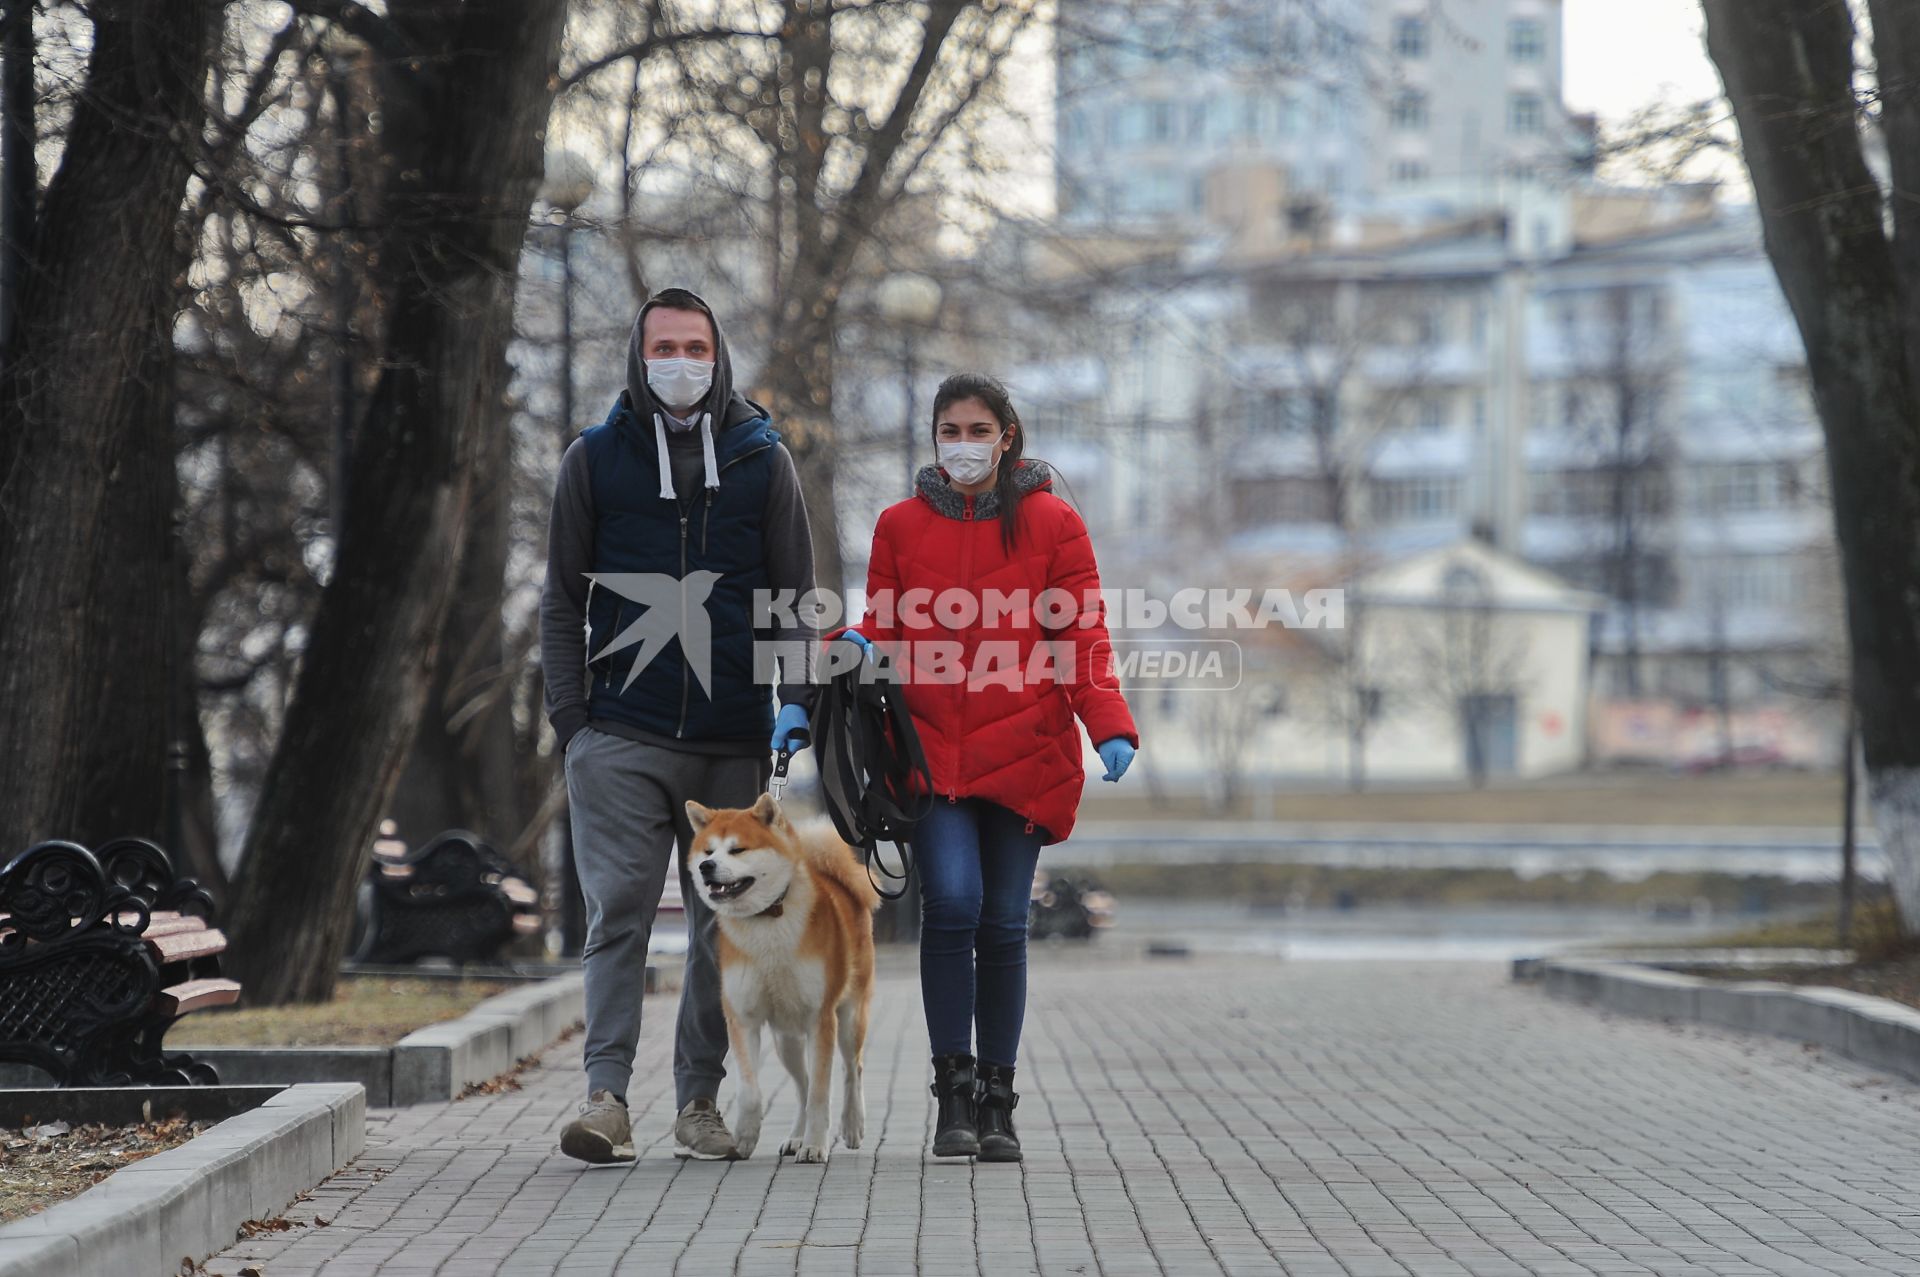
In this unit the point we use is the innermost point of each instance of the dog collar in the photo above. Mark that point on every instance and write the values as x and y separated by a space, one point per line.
773 910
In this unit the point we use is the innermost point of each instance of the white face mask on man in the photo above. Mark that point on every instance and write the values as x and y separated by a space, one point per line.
680 384
967 462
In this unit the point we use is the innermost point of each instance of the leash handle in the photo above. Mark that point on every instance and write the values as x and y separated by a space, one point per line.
778 781
872 858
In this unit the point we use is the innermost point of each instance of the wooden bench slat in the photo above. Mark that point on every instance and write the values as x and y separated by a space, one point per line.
173 926
194 995
186 946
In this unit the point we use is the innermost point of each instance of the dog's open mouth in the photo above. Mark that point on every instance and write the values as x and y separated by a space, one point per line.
728 890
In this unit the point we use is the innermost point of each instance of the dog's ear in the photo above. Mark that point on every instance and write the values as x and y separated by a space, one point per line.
766 810
697 815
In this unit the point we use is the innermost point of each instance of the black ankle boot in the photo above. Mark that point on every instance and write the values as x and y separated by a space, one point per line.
954 1134
993 1103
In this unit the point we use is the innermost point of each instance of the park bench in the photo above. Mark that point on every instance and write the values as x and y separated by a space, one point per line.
452 897
100 953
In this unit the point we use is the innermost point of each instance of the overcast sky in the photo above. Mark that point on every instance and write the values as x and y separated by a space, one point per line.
1624 54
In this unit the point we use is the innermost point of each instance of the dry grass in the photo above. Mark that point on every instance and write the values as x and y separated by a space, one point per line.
1616 798
365 1011
1886 961
1317 886
41 1165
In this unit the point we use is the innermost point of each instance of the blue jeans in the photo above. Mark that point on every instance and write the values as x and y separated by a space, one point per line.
976 862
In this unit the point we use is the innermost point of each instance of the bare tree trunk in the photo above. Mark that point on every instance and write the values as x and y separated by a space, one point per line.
19 183
86 461
197 850
801 386
460 772
467 164
1789 70
1849 878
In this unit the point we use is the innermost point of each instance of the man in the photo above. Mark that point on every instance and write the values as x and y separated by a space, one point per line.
667 517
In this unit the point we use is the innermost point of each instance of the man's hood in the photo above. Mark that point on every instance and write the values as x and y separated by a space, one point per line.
728 406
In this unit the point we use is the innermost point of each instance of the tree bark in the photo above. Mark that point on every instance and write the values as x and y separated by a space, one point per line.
1788 67
460 773
467 118
86 460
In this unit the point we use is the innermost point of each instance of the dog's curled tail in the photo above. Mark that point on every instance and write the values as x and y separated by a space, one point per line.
832 858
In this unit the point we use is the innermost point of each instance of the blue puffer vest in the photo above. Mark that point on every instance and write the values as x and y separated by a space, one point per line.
638 530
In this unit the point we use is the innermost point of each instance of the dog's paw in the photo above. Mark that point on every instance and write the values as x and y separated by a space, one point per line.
853 1127
809 1153
743 1145
791 1146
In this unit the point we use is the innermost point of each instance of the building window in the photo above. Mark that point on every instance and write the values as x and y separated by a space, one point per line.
1281 412
1409 113
1526 40
1160 121
1415 500
1597 493
1746 487
1750 581
1526 113
1288 499
1407 172
1410 36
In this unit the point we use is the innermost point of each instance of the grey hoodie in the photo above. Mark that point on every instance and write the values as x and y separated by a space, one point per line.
786 543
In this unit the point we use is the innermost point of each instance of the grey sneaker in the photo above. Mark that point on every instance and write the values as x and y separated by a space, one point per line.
601 1133
702 1133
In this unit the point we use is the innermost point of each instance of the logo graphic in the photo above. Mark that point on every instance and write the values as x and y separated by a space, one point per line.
675 607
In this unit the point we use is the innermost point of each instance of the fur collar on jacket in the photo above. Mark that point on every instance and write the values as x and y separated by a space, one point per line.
1029 476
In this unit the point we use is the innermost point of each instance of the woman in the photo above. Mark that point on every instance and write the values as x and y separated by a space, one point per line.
984 535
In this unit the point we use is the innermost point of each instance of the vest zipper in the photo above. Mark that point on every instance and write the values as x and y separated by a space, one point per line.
606 671
686 660
686 670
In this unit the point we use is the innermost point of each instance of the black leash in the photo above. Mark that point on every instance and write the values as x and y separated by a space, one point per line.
874 780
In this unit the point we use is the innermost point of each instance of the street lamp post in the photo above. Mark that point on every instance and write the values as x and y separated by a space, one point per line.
911 303
569 181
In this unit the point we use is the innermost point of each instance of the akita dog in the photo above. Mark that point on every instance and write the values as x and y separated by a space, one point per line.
795 910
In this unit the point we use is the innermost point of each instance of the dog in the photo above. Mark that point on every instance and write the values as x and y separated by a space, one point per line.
795 912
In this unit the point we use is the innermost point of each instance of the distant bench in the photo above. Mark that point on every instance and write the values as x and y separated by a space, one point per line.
100 953
452 897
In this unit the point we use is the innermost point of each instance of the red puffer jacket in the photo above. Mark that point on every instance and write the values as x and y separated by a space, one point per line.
999 724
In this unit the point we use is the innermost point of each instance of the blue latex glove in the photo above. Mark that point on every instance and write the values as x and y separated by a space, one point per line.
855 636
1117 755
791 719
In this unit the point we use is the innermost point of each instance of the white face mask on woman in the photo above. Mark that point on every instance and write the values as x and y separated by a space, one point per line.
968 462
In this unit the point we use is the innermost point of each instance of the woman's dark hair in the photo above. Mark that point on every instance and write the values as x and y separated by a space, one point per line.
989 391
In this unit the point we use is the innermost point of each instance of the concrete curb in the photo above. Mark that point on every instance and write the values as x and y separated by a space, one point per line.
439 1061
1875 1031
427 1065
190 1201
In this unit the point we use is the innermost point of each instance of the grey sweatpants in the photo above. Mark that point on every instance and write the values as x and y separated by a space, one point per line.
628 802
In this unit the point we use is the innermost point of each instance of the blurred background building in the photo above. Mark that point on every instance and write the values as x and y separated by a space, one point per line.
1331 288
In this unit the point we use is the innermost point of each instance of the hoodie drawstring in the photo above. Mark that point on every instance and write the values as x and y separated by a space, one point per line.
706 454
706 449
666 467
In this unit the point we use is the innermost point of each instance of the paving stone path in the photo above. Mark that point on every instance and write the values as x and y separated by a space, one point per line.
1192 1117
